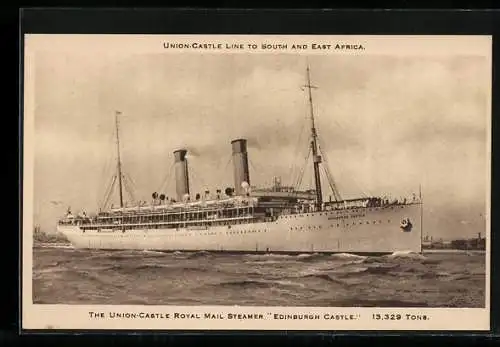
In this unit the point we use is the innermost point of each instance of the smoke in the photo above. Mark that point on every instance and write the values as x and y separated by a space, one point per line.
253 142
192 152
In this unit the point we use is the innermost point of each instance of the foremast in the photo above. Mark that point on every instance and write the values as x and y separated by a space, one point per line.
118 159
314 145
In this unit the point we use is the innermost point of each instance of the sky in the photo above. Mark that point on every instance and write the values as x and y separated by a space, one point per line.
387 125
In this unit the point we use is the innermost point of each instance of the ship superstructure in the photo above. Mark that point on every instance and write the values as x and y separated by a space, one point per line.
248 219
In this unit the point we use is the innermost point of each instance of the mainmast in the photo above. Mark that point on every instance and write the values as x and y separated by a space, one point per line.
119 163
314 145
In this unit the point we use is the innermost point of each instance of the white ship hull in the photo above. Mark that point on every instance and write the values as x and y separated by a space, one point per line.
361 230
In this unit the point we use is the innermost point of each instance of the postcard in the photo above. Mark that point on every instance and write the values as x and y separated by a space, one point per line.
256 182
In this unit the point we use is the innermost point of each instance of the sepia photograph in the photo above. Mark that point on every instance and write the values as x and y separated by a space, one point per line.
306 173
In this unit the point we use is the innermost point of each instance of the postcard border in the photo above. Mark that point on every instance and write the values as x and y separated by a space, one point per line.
484 27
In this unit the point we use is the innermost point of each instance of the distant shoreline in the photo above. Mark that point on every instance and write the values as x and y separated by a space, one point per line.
437 251
41 237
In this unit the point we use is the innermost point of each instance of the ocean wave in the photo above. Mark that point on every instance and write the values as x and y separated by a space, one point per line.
326 277
307 255
259 283
269 256
51 270
406 255
279 279
54 245
359 302
59 263
153 253
152 266
348 256
263 262
94 268
162 267
435 275
116 257
199 254
379 269
310 257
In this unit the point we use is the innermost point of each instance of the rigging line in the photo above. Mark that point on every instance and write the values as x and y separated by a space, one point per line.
227 164
106 168
259 173
362 189
329 176
301 132
166 179
127 182
196 177
130 179
125 179
110 192
294 167
106 200
131 182
301 176
105 191
334 189
301 168
302 171
109 187
228 161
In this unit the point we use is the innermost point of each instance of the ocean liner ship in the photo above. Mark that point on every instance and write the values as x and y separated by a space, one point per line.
244 218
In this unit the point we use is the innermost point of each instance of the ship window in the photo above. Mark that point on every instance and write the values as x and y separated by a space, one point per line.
337 225
367 222
388 221
374 221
